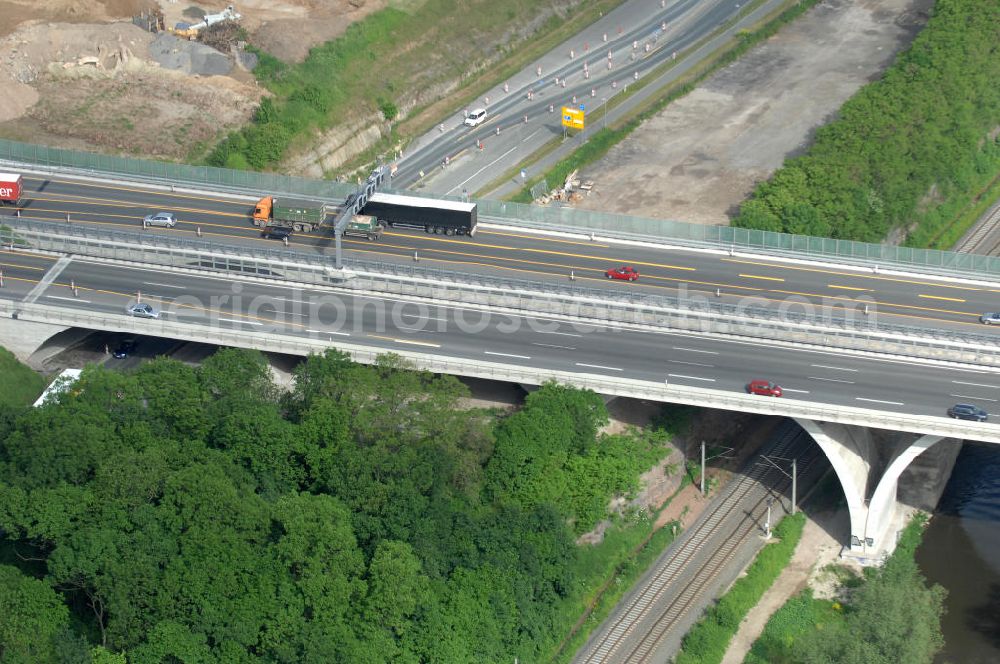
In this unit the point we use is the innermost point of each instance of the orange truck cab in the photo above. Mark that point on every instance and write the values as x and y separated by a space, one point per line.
262 212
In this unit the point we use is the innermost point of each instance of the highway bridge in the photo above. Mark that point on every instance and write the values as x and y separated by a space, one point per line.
526 306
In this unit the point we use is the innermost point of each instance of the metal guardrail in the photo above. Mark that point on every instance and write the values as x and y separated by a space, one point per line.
613 386
699 315
519 214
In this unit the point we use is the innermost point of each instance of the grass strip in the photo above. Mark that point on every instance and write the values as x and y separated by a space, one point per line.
20 385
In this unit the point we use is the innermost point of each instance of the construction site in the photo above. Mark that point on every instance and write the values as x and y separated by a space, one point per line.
155 78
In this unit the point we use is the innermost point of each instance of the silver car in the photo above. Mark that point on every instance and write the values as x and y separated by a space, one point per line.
142 310
990 319
166 219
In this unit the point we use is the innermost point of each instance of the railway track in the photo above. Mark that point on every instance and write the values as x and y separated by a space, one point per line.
676 584
982 240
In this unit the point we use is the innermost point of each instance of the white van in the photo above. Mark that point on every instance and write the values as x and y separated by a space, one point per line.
476 117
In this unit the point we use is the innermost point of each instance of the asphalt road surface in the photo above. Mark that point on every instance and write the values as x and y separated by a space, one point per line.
902 300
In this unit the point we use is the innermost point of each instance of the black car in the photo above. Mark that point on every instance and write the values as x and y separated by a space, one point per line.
276 233
966 411
124 349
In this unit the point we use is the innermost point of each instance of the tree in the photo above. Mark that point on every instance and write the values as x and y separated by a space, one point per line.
34 621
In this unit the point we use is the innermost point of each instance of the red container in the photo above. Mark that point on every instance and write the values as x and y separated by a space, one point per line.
10 188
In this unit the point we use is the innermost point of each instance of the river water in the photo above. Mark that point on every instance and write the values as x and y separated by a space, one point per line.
961 551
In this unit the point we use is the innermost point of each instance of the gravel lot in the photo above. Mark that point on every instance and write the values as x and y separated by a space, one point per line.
703 155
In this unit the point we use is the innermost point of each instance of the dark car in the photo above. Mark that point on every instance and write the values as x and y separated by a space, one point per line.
276 233
625 272
966 411
764 387
124 349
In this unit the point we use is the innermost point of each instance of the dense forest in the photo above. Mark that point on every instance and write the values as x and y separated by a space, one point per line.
906 152
204 515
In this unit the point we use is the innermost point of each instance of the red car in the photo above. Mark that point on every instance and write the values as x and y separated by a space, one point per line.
626 272
764 387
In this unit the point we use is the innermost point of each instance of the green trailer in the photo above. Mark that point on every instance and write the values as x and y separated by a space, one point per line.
299 216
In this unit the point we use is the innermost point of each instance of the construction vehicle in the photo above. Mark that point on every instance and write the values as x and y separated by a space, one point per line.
365 225
299 216
190 31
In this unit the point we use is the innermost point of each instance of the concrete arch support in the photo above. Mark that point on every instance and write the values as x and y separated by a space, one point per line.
868 463
849 458
882 506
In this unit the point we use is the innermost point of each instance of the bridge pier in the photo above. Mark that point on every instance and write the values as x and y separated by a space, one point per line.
869 463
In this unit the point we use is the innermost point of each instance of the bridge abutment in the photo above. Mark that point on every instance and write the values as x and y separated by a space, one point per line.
24 338
869 463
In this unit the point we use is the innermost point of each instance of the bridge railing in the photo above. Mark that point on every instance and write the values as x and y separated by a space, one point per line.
833 328
684 394
566 219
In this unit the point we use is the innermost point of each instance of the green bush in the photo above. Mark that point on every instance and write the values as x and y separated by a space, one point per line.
910 149
892 617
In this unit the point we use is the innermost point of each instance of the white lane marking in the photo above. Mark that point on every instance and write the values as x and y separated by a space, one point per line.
824 366
696 350
962 382
244 322
422 317
407 341
153 283
710 380
563 334
535 343
520 357
693 364
68 299
343 334
490 165
966 396
412 329
891 403
831 380
788 389
598 366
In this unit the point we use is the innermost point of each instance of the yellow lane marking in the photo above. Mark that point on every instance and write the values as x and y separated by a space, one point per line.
757 276
138 190
405 341
26 267
545 238
856 275
938 297
851 288
757 292
607 261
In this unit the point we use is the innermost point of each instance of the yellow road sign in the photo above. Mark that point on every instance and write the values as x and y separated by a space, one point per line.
572 117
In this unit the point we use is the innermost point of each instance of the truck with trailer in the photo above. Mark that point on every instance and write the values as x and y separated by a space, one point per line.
10 189
300 216
434 216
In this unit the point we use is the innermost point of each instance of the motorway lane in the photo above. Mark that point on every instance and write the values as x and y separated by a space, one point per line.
455 331
688 22
900 300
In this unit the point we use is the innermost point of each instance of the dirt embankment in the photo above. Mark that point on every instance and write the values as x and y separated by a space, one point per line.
78 74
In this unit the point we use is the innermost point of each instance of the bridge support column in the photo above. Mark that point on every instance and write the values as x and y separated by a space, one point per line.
869 463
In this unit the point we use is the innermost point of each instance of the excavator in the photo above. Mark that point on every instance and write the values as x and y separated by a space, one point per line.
189 31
